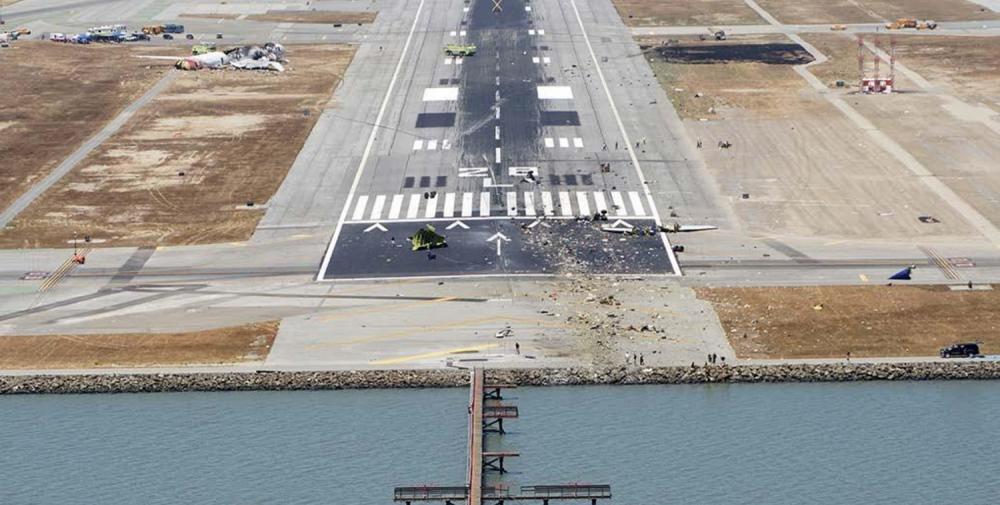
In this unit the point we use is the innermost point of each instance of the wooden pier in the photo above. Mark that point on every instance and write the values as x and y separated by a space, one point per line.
486 414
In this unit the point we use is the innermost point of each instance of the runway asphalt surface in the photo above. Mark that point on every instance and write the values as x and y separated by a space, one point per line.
484 146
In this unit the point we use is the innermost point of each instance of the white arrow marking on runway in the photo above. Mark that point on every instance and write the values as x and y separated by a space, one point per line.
457 223
539 222
376 226
618 226
499 238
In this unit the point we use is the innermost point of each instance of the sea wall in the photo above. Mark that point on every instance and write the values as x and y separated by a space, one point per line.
369 379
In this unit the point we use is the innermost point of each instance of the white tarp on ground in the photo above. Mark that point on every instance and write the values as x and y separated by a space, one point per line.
555 93
440 94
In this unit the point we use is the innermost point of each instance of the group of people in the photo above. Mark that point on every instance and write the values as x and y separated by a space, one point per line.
714 358
635 359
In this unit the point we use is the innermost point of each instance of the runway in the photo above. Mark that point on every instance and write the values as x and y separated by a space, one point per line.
485 145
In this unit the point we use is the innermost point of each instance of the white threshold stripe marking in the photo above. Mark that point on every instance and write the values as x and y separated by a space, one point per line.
467 205
359 209
602 205
525 217
550 206
484 204
563 142
395 206
628 143
582 203
565 207
418 145
619 202
432 205
633 197
414 207
377 207
449 205
577 142
547 207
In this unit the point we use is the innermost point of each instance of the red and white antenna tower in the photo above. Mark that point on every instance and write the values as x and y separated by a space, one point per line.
892 60
861 62
877 58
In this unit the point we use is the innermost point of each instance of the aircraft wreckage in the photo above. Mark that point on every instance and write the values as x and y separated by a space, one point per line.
270 56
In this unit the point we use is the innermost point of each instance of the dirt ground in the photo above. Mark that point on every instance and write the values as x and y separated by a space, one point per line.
183 169
238 344
677 13
325 17
865 11
867 321
968 66
805 168
742 73
55 96
945 138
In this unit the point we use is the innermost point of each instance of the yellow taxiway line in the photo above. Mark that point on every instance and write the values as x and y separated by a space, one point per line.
60 272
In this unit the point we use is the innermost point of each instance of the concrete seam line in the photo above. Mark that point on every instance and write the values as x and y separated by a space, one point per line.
628 143
368 147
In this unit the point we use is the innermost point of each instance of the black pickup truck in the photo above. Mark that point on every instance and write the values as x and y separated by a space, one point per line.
970 350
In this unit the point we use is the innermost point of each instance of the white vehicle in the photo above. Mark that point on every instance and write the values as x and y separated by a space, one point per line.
107 29
58 37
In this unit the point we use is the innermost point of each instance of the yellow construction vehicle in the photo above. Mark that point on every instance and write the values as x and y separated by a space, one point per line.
838 28
152 29
901 23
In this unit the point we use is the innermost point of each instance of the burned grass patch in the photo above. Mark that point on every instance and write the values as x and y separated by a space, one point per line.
767 53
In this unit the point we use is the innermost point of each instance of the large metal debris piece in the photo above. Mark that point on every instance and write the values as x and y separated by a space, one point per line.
427 238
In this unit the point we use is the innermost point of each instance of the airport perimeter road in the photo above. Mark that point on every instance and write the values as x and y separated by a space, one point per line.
502 152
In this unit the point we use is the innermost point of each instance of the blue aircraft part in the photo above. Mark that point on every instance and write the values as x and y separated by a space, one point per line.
902 275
